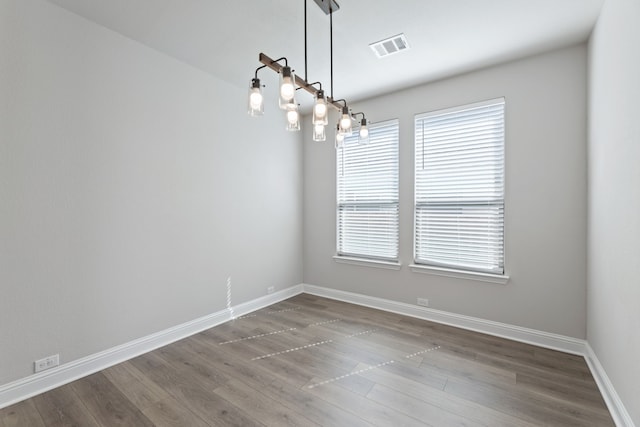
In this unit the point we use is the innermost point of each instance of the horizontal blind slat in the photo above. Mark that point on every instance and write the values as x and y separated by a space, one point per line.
367 194
459 187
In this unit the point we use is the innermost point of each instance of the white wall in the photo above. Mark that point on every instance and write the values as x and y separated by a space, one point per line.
546 198
614 198
131 187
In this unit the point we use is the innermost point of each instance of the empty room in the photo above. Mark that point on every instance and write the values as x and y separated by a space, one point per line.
319 213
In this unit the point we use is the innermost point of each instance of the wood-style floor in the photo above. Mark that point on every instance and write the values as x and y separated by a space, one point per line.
311 361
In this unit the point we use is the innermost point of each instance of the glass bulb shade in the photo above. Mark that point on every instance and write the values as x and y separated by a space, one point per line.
319 133
345 124
293 119
363 135
364 129
320 110
363 132
339 138
256 104
287 88
292 116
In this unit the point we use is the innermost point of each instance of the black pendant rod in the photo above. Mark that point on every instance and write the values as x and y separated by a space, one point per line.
331 43
305 40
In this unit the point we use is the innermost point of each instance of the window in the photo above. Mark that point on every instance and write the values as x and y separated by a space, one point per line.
459 188
367 205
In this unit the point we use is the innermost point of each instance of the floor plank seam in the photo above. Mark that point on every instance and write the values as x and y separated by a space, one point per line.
292 350
417 353
326 322
246 316
370 331
253 337
278 332
308 345
379 365
350 374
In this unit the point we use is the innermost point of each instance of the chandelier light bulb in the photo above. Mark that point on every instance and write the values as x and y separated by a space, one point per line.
320 112
287 88
256 99
364 129
345 121
339 137
319 133
345 124
292 116
256 104
363 136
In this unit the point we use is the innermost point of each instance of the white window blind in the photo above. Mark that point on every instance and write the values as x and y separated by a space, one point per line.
459 187
367 205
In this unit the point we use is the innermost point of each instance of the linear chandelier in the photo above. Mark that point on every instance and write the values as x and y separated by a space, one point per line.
290 83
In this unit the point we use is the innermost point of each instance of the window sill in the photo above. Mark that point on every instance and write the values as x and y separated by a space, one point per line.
387 265
460 274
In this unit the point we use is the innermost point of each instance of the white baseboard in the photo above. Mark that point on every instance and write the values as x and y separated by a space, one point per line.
265 301
503 330
32 385
39 383
530 336
617 409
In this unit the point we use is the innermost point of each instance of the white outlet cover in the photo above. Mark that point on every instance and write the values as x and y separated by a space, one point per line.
46 363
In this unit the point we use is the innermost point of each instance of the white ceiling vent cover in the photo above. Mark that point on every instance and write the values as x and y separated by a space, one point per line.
391 45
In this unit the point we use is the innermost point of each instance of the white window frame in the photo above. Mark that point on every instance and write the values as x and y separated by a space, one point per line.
362 247
433 191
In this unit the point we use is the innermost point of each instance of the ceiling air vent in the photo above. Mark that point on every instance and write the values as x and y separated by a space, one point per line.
390 45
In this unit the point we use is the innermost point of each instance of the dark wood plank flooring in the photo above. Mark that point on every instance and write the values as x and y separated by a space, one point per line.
311 361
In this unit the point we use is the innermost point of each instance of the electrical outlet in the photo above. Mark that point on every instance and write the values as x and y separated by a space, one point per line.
271 290
423 302
46 363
